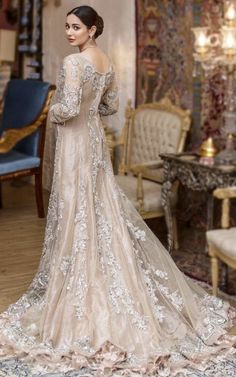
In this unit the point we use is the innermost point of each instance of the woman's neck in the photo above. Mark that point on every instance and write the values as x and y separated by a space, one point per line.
87 44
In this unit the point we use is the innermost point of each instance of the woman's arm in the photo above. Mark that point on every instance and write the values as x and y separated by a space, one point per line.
110 99
69 92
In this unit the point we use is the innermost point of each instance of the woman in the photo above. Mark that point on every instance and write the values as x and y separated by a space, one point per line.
107 295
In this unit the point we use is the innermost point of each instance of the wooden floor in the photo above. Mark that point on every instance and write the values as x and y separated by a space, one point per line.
21 239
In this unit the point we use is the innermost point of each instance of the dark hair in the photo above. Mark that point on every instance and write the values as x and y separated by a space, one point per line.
89 17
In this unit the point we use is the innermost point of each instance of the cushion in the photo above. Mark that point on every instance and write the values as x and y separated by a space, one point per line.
224 240
152 192
15 161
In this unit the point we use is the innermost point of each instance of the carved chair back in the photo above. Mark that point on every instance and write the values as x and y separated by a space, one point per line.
22 133
24 104
151 129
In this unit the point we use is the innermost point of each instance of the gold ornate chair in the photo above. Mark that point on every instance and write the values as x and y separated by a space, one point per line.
150 129
222 242
22 130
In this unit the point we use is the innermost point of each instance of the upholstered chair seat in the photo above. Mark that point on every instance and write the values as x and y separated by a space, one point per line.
22 132
151 193
222 242
150 129
14 161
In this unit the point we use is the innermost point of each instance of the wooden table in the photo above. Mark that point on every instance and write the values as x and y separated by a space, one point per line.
187 169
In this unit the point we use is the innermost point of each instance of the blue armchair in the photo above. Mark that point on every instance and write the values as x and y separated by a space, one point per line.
22 133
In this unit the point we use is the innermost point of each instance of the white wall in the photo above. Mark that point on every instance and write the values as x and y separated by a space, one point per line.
117 40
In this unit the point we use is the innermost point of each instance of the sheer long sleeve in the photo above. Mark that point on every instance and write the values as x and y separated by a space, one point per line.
110 100
66 103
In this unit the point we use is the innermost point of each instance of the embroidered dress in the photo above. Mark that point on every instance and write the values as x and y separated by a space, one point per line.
107 295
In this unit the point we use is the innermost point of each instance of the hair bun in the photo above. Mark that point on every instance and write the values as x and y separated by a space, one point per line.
100 26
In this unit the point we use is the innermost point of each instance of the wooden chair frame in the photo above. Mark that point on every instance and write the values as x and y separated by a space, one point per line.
12 136
146 170
224 194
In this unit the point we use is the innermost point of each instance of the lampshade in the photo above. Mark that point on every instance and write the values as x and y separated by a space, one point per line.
7 45
230 13
201 39
229 40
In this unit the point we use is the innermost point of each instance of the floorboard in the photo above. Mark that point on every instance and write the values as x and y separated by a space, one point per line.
21 239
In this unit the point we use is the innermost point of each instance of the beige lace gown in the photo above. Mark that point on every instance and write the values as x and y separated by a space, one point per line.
107 295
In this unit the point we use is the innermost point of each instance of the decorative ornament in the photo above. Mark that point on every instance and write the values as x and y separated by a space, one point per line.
208 152
207 148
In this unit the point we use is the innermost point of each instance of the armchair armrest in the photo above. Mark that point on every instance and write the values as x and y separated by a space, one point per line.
118 142
12 136
225 193
151 170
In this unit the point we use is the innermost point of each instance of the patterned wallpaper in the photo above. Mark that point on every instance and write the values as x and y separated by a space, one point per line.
164 53
213 87
165 64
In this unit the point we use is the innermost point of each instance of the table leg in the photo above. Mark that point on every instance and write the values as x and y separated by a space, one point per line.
165 198
210 214
210 211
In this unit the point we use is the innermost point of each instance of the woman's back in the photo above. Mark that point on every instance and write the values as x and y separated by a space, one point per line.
81 86
97 58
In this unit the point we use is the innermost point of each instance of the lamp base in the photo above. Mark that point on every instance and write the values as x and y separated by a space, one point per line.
228 155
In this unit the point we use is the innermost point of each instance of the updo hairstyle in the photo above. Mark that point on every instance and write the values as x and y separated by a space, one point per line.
89 17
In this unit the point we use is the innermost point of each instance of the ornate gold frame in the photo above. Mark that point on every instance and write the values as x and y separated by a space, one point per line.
12 136
148 170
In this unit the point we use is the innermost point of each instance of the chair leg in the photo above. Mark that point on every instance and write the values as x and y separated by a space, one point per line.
214 274
224 277
175 233
39 195
0 194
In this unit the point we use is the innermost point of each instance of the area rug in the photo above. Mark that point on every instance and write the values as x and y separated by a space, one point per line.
192 257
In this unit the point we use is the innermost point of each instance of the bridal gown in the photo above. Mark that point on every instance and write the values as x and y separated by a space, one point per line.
107 295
